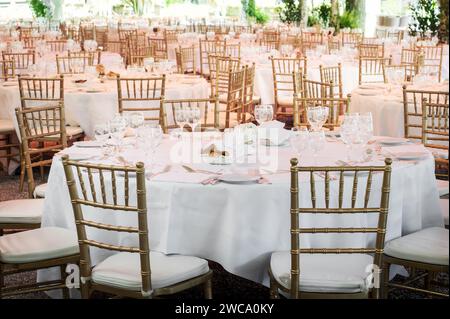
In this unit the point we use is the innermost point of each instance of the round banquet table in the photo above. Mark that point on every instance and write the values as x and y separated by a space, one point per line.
96 103
386 106
239 226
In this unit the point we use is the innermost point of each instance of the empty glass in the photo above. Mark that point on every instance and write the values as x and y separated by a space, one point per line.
317 143
136 119
317 117
193 117
263 113
300 140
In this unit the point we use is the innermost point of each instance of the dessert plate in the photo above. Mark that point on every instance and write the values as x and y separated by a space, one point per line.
239 179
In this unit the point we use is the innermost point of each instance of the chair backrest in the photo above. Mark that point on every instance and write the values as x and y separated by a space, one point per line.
92 58
371 50
412 109
374 179
249 88
36 126
405 70
410 58
283 80
209 108
314 38
41 91
235 93
101 35
432 58
208 47
87 32
233 50
352 39
333 74
138 55
143 95
160 46
381 33
333 46
185 58
219 67
435 125
71 65
21 60
336 106
315 89
371 70
30 42
367 40
57 45
7 70
271 40
102 192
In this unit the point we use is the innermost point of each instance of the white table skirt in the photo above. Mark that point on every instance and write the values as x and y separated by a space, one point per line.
386 107
239 226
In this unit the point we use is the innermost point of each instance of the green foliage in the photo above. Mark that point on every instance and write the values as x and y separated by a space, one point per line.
425 17
40 9
320 15
253 12
137 6
349 19
291 11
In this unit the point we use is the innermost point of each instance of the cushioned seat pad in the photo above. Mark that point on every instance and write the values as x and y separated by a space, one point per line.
21 211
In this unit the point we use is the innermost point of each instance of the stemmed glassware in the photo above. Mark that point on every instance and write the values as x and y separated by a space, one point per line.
102 134
317 117
135 119
263 113
117 127
317 143
149 137
193 117
300 140
356 131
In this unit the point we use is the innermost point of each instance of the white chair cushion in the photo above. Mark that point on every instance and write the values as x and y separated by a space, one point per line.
444 210
21 211
6 126
39 191
442 187
38 245
428 246
73 130
324 273
123 270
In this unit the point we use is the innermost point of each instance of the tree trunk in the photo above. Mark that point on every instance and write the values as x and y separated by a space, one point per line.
443 29
334 22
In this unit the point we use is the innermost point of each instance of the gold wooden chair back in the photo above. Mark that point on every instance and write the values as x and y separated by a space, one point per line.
87 32
271 40
37 126
368 206
71 65
73 33
171 36
432 58
352 39
101 35
369 40
413 109
371 70
315 89
333 74
29 43
160 46
208 47
7 70
92 58
185 58
371 50
397 36
381 33
336 106
209 108
284 84
248 92
144 95
57 45
41 91
410 58
313 38
219 68
138 54
80 176
408 73
21 60
233 50
234 99
333 46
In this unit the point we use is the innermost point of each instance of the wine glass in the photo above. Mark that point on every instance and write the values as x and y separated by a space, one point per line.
181 117
300 140
263 113
193 117
365 127
102 134
317 143
317 117
117 129
136 119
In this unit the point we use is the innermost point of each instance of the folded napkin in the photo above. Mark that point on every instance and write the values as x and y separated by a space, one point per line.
214 150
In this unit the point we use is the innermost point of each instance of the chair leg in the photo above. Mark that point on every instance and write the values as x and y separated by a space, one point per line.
273 289
2 281
22 172
65 291
8 152
385 281
84 290
208 289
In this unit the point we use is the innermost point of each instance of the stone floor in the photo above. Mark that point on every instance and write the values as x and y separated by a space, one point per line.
225 285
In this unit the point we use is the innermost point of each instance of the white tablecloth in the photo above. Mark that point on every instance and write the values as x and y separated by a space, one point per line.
89 109
386 107
239 226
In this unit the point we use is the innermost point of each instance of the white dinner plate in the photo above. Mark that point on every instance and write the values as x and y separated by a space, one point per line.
238 179
89 144
392 141
219 160
411 156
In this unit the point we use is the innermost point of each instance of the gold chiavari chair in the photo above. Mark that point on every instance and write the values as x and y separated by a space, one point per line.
352 39
249 99
21 60
371 70
219 68
101 35
87 32
138 54
73 32
185 58
367 40
333 74
29 43
71 65
412 109
314 38
285 87
232 114
435 130
233 50
333 46
315 89
113 46
395 35
145 265
271 40
408 74
161 49
7 70
410 58
432 58
371 50
92 58
26 32
124 34
209 108
337 107
334 272
143 95
57 45
171 36
208 47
